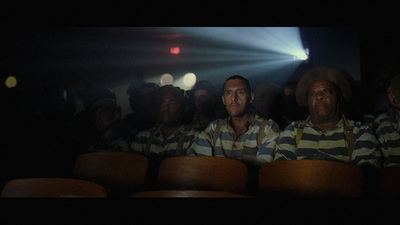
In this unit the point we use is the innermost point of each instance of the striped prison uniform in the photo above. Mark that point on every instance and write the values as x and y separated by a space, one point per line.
151 142
116 144
252 147
390 114
330 145
387 132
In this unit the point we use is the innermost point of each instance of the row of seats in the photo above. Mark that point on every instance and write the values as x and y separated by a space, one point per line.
96 174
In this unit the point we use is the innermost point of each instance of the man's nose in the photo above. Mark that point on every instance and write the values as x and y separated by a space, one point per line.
320 95
166 105
234 97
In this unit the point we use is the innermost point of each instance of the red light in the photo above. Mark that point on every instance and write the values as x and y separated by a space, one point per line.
175 50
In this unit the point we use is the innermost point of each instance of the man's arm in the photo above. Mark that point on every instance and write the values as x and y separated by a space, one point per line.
285 148
265 152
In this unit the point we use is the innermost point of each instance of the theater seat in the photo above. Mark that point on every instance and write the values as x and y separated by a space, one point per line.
310 178
52 188
389 182
120 172
203 173
187 194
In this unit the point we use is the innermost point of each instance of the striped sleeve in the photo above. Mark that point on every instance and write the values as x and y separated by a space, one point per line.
389 140
202 144
265 152
366 150
139 143
285 148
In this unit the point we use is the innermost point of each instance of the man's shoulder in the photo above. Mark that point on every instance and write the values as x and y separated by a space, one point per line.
265 124
146 133
356 124
217 122
381 118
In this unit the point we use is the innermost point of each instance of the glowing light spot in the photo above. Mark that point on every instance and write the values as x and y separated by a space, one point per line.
166 79
189 79
175 50
301 55
11 82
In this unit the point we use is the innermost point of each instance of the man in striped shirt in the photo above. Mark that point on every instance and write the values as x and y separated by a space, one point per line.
326 134
388 126
244 135
170 137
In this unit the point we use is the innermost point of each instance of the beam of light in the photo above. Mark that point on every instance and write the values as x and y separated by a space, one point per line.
285 40
204 49
212 53
228 41
218 52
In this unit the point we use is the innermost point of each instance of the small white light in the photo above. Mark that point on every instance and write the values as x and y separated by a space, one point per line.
166 79
189 79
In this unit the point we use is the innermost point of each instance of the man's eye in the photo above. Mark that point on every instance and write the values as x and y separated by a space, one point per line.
328 91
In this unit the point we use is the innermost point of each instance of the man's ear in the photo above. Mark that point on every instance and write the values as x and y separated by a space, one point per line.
223 100
252 97
389 94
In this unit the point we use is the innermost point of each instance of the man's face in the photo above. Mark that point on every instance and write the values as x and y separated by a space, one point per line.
237 98
393 101
203 100
323 103
262 104
170 109
105 118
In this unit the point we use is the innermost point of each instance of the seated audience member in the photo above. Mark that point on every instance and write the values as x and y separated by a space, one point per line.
141 100
326 134
296 112
111 136
271 103
387 126
82 125
244 135
205 105
171 136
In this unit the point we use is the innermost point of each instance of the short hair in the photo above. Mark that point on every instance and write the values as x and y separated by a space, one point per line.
239 77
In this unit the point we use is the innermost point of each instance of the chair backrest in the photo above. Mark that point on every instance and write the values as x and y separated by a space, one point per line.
203 173
52 188
120 172
389 182
310 178
187 194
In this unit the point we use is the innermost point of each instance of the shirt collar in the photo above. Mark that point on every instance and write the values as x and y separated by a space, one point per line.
176 132
249 121
341 122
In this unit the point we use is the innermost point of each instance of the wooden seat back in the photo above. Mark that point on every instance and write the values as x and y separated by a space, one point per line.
203 173
389 182
311 178
52 188
118 171
187 194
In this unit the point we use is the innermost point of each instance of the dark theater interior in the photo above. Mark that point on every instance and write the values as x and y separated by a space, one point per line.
46 70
